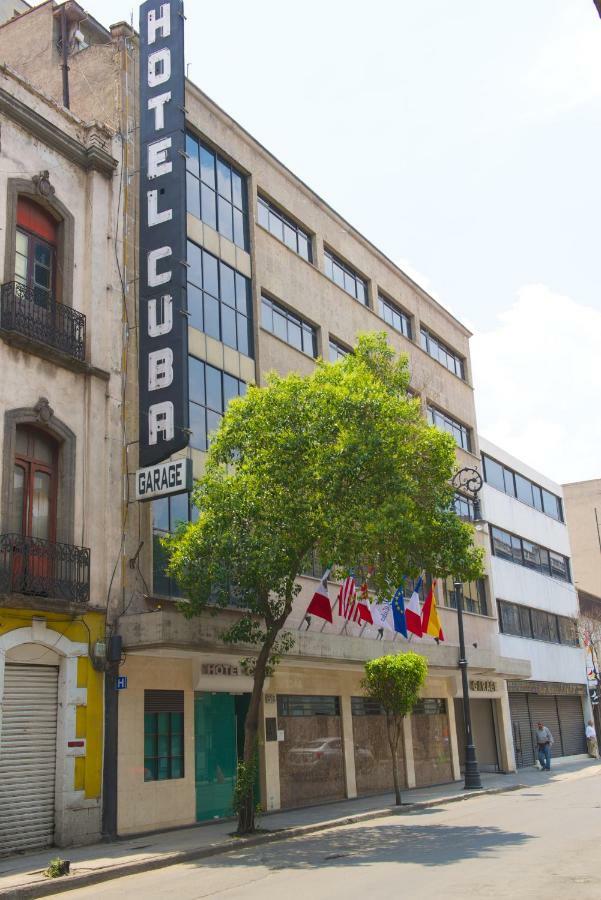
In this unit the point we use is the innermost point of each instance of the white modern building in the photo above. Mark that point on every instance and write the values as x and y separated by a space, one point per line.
532 585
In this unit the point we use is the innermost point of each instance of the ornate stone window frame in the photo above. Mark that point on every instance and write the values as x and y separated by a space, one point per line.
39 190
42 416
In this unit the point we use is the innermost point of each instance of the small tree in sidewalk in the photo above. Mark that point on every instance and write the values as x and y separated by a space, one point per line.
395 682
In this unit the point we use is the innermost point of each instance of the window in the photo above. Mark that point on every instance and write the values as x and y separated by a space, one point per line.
345 277
537 624
210 391
394 316
167 513
163 735
430 706
515 485
437 350
336 351
288 326
526 553
464 507
33 507
474 596
219 301
307 705
35 251
365 706
445 423
284 229
216 192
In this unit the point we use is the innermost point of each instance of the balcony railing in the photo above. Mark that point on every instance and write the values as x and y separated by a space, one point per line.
43 569
33 313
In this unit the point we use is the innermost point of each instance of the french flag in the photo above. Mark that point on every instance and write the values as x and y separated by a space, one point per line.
413 615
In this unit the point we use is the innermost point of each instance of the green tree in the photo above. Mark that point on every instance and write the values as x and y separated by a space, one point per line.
340 462
395 682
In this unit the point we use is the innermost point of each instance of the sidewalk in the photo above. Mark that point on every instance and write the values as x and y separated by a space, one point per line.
22 876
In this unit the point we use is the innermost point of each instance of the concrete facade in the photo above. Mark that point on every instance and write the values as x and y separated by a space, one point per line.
582 501
551 661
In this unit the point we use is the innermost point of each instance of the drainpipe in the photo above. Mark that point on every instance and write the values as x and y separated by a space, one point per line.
65 65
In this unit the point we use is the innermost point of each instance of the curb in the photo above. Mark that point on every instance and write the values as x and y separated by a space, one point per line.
53 886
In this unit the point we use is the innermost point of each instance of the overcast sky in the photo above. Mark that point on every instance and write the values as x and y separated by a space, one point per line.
463 139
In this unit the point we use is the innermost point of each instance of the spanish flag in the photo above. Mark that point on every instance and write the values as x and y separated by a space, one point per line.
430 621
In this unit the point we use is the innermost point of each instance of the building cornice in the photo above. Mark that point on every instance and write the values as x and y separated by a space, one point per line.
92 157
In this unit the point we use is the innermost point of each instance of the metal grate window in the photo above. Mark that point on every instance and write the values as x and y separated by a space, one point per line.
307 705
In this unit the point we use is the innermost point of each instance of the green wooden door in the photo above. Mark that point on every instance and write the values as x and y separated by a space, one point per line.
215 755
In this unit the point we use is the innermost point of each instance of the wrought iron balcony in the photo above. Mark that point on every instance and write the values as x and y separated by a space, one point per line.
34 314
43 569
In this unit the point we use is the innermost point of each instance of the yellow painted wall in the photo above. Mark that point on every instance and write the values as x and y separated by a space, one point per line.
87 628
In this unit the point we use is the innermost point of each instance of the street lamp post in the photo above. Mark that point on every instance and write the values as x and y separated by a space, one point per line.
469 482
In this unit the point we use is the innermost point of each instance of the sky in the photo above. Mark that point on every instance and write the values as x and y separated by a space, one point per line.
462 138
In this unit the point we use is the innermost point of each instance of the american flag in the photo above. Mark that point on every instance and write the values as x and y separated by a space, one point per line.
347 597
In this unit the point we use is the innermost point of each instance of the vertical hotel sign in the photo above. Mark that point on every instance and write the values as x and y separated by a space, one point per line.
163 334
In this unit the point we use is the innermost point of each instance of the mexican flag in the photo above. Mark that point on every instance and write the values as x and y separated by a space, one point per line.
320 605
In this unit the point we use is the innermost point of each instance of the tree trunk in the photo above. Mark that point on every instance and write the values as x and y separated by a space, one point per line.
393 741
246 808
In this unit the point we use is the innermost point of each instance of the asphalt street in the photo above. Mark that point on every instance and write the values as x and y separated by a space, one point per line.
537 842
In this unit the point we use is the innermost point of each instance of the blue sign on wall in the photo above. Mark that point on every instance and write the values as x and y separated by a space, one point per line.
121 682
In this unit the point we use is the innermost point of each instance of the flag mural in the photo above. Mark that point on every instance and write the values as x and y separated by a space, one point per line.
413 616
430 620
320 605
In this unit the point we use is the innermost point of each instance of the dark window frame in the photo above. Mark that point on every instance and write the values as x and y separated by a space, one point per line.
475 596
330 261
516 543
299 705
307 329
336 350
385 304
510 477
208 407
454 424
157 707
435 348
266 209
522 617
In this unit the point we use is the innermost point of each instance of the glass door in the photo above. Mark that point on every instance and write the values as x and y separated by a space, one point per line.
216 755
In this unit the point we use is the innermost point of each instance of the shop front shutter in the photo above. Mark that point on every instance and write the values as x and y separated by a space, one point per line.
571 721
28 757
544 709
522 730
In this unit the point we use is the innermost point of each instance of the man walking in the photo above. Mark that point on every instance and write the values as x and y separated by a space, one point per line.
544 742
591 739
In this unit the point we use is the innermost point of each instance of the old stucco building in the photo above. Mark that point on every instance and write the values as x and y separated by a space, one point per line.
61 445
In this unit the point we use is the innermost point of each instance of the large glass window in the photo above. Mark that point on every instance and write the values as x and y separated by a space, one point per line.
167 514
526 553
219 301
210 391
163 735
464 507
515 485
288 326
394 316
284 229
474 596
345 277
437 350
460 432
537 624
216 192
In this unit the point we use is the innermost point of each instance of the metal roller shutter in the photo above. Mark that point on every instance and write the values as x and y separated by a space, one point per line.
28 757
571 721
523 741
544 709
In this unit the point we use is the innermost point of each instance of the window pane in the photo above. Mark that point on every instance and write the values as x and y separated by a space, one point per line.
208 207
266 314
209 272
537 497
198 427
22 244
308 341
213 383
338 275
290 237
279 325
211 310
242 286
550 504
213 423
516 550
194 264
237 190
349 284
228 285
493 473
224 212
196 319
545 565
294 335
262 213
510 622
531 557
276 226
192 163
207 166
230 388
179 509
524 489
239 235
559 566
16 512
40 506
196 379
228 326
303 246
328 266
160 514
501 543
192 195
361 291
243 345
224 180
